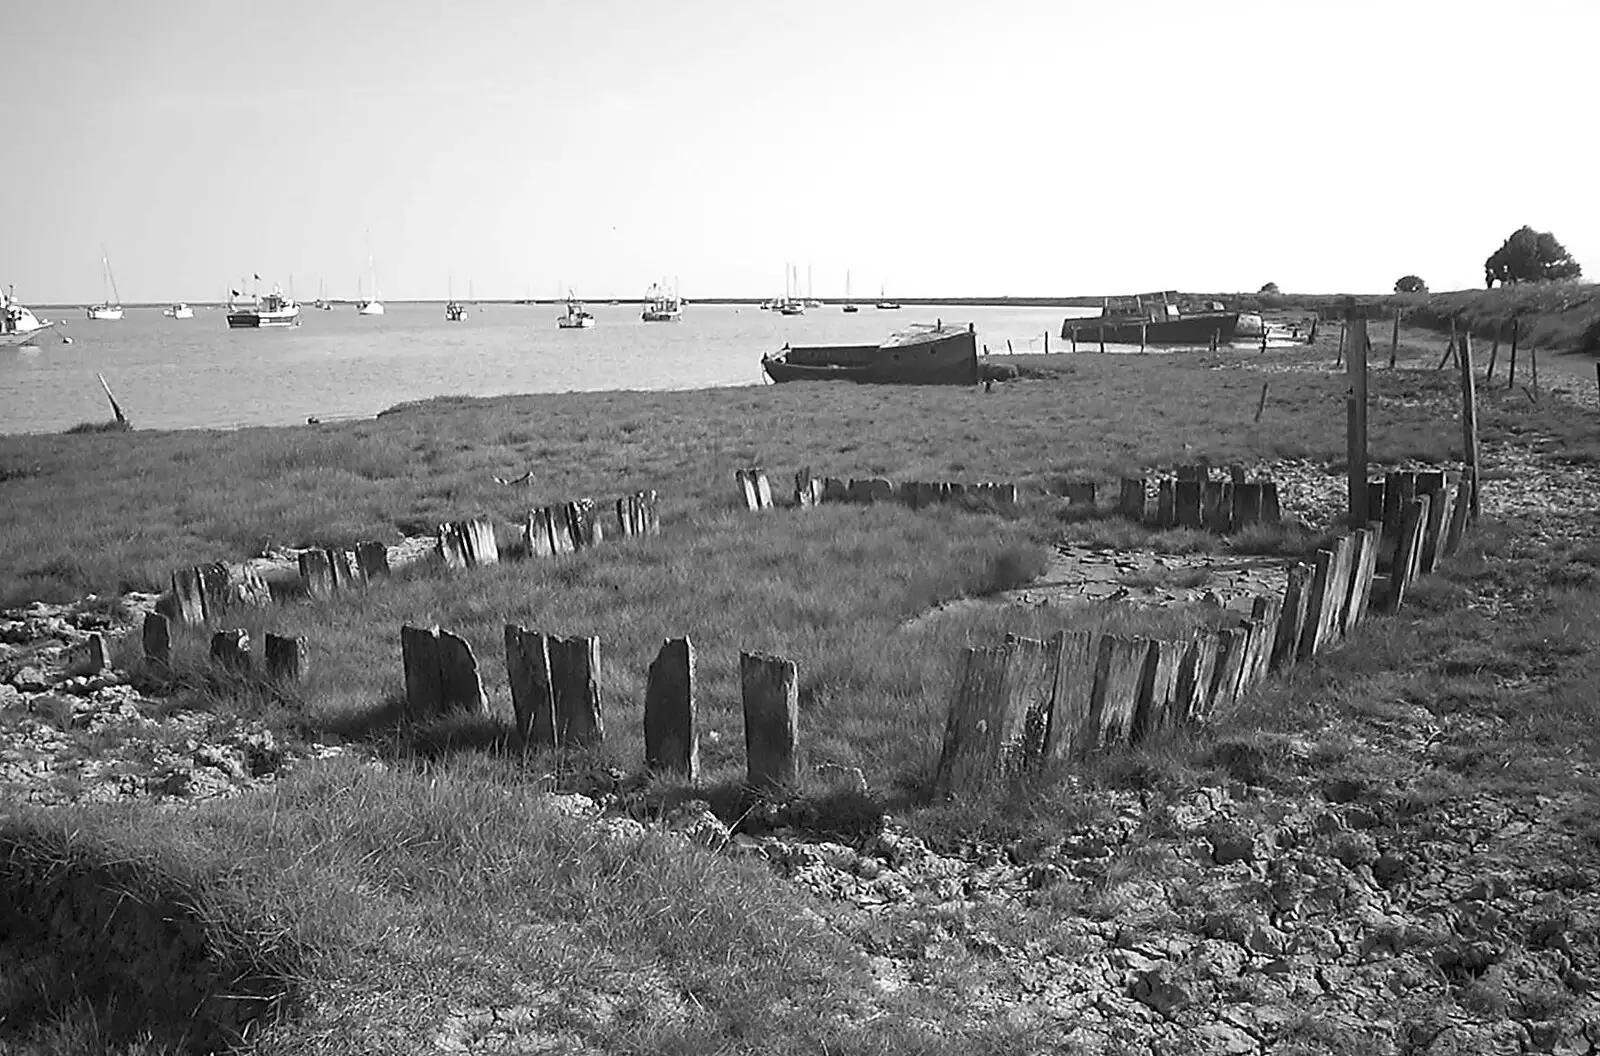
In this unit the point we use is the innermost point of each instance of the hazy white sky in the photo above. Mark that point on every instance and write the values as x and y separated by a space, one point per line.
933 146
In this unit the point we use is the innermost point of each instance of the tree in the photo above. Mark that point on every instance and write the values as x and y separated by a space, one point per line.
1270 289
1530 256
1410 284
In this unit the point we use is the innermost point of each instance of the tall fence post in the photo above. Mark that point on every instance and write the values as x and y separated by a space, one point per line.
1356 421
1394 338
1469 422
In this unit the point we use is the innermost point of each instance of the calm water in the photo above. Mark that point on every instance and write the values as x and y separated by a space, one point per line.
196 373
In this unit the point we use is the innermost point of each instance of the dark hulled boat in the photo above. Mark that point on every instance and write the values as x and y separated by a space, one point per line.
923 355
1152 319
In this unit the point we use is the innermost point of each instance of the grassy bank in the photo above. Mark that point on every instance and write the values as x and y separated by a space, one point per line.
378 902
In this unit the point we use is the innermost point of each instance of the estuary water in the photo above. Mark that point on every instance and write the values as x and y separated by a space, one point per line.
196 373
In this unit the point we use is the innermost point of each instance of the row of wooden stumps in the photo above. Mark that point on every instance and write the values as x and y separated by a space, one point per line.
555 696
1027 703
810 490
284 658
1193 498
570 526
207 593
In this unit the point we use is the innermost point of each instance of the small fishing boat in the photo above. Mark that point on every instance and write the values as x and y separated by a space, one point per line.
178 311
18 325
273 310
577 317
850 307
454 310
661 306
941 354
110 308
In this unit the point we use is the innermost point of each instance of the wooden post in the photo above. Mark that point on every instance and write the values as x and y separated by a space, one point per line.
188 604
769 686
537 535
1216 339
1141 337
1404 567
533 698
1130 503
1292 619
1263 335
156 639
747 488
1080 493
1311 335
1166 510
373 559
1102 337
586 530
574 670
1363 562
1343 335
1469 421
287 658
1511 379
1533 362
1158 686
1394 338
671 730
1047 342
1494 350
1261 405
1071 700
231 649
441 674
1186 499
1356 423
1192 699
1118 672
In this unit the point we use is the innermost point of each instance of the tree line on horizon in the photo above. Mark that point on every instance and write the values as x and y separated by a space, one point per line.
1525 256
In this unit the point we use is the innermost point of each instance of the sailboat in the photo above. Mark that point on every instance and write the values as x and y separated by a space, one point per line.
791 304
373 306
811 302
110 310
321 303
884 303
849 305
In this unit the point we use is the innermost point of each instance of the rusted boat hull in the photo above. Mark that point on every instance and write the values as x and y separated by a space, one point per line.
939 357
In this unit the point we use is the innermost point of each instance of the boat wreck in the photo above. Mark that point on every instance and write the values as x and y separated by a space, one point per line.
1153 319
941 354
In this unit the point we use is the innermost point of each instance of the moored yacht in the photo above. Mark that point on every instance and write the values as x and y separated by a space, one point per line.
18 325
178 311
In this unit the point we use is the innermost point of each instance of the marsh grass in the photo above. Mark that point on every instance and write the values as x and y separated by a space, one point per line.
96 513
382 901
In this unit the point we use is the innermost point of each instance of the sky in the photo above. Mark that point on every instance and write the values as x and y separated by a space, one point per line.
518 148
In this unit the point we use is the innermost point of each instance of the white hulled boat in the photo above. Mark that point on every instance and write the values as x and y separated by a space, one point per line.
375 305
178 311
274 309
885 304
18 325
109 309
577 317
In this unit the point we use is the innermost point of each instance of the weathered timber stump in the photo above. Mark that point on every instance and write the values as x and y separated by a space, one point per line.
671 723
770 691
287 658
155 639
